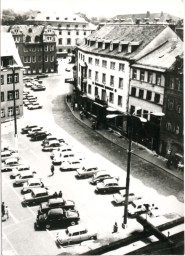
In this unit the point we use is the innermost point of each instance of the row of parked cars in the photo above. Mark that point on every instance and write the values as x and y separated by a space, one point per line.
30 101
35 84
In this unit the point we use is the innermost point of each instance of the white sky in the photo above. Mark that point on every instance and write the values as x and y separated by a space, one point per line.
106 8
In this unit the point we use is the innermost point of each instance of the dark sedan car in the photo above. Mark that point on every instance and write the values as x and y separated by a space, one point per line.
56 203
27 128
39 136
108 186
57 217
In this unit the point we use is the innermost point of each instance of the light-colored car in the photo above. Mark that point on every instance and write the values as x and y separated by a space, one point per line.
101 176
51 145
29 97
108 186
28 84
33 183
138 207
119 198
72 164
75 234
48 138
33 130
16 170
60 150
8 154
24 177
9 164
58 160
34 106
87 171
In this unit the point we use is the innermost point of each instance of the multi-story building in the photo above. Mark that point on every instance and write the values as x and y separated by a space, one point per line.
37 47
70 30
172 136
119 59
10 60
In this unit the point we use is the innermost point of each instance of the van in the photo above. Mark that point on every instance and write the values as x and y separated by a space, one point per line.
23 177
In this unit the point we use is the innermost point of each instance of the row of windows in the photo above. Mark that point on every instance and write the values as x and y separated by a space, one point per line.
47 48
77 33
68 42
175 83
174 128
10 95
141 112
104 64
68 25
172 106
33 59
104 96
10 78
39 70
104 78
10 111
145 95
146 76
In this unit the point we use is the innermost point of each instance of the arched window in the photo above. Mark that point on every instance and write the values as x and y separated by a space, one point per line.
178 108
28 39
170 104
177 129
37 39
168 126
30 30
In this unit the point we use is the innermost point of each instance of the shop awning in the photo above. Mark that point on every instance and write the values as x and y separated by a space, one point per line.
103 106
111 109
111 116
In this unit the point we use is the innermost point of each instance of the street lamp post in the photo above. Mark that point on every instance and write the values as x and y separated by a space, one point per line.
14 102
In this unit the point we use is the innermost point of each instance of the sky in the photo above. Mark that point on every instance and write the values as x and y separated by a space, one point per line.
105 8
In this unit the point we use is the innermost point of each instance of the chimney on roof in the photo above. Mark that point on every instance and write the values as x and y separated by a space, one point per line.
138 20
156 19
122 20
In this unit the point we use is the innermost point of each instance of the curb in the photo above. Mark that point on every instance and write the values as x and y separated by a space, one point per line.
148 161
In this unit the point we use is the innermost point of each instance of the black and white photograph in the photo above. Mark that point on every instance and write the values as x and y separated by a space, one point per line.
92 127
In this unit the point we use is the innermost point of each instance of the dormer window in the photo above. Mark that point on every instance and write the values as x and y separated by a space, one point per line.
65 18
96 44
119 48
28 39
129 48
103 46
68 26
57 18
111 46
74 18
47 18
30 30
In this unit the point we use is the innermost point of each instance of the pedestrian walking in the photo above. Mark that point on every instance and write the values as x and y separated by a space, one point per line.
3 209
7 212
60 193
52 169
115 228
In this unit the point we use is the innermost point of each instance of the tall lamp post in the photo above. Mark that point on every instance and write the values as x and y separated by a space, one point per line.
130 130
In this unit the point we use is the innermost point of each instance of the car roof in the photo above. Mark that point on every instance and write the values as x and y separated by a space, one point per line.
5 152
11 160
55 211
139 202
56 200
38 190
50 137
34 180
76 228
26 172
53 141
107 181
103 172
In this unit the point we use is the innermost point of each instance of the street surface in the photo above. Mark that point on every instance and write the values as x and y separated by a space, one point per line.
97 211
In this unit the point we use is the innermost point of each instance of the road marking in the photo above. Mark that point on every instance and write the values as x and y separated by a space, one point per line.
34 154
8 241
13 217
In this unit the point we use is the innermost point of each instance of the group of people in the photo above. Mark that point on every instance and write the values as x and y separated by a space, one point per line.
4 210
59 194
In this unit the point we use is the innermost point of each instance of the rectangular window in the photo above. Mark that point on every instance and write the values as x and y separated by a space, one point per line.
120 83
111 97
69 33
77 33
79 67
133 91
111 80
84 33
10 95
104 64
2 79
90 73
96 91
76 26
142 75
145 114
9 79
171 83
52 48
112 65
17 94
96 76
33 49
150 77
177 83
17 110
148 95
68 41
119 101
141 93
46 48
103 95
158 79
46 58
132 109
89 88
121 67
40 58
97 62
157 98
16 78
2 96
33 59
134 74
25 49
60 32
90 60
60 41
2 113
10 111
51 58
103 78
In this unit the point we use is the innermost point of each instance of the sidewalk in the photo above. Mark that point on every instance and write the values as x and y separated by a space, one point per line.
138 150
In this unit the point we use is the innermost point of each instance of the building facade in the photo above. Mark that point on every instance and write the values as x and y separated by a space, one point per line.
37 48
70 30
11 75
172 135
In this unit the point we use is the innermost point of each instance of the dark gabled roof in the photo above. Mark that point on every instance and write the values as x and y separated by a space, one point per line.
143 34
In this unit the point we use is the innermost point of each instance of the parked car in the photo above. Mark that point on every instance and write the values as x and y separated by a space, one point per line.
71 164
9 164
75 234
39 136
8 154
138 207
58 160
33 183
119 198
60 150
52 145
28 84
48 138
39 88
34 130
27 128
108 186
25 93
87 171
101 176
57 217
67 69
24 176
31 97
16 170
31 101
26 102
38 195
56 203
34 106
